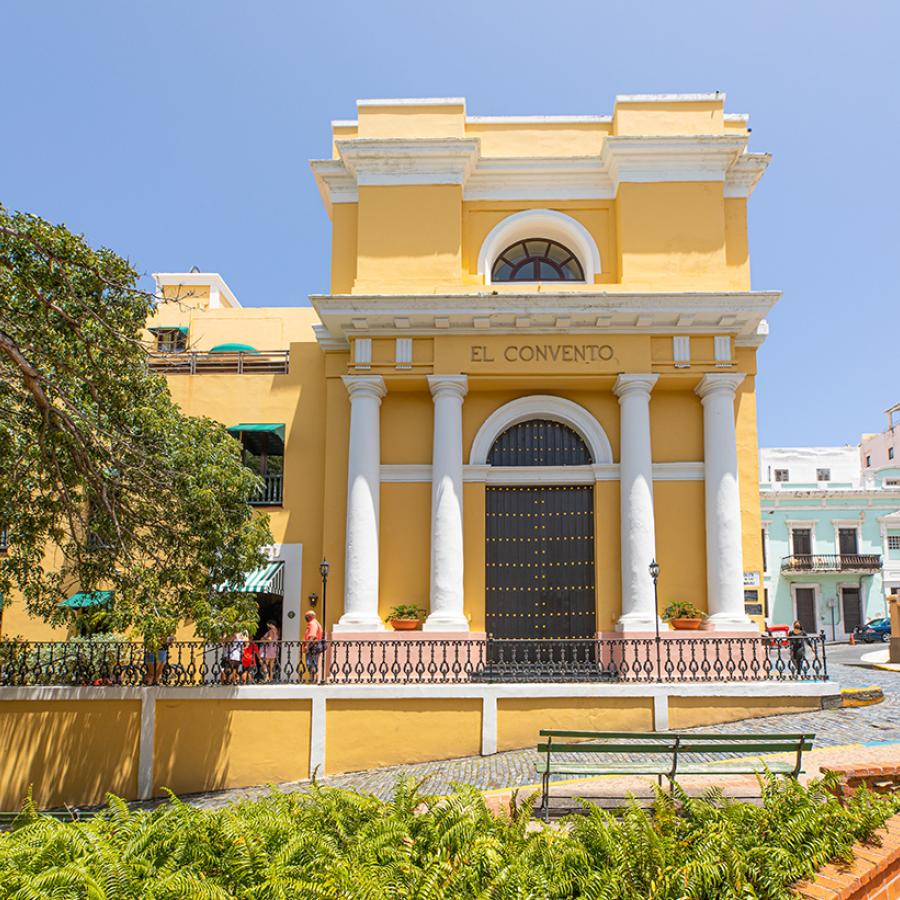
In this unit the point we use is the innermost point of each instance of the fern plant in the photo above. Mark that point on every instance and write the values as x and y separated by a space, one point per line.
326 844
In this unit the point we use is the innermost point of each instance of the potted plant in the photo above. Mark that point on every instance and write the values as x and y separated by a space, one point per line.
684 616
405 617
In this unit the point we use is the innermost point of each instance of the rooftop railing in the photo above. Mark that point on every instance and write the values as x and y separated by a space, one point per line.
201 362
414 661
270 492
831 562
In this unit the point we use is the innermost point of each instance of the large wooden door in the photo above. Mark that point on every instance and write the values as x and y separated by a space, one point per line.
850 601
806 608
540 562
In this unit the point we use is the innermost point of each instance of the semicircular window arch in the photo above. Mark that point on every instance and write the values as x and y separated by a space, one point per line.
537 259
539 442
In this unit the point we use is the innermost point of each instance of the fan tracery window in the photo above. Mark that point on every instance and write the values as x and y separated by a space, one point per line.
537 259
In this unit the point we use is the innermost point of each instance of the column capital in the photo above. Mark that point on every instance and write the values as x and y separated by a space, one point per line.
634 384
457 385
364 386
718 382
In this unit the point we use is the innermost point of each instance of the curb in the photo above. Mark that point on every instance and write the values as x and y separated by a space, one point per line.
867 696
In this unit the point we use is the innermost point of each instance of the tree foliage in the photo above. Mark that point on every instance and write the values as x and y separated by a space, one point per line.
333 845
104 483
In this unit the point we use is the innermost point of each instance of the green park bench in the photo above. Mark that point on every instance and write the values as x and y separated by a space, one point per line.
660 754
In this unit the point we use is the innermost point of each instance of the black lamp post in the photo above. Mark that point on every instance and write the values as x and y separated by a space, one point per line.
323 571
654 574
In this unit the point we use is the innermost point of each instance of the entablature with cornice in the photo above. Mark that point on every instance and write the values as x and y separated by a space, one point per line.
621 159
740 314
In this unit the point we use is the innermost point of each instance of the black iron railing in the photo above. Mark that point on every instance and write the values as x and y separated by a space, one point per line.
270 492
196 362
414 661
832 562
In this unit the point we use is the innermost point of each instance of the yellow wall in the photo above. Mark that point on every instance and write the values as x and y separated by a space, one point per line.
419 121
408 237
679 508
70 751
207 745
361 734
512 139
520 719
691 712
405 545
698 117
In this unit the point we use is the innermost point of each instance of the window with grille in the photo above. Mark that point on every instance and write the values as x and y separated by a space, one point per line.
823 474
894 542
781 474
170 340
537 259
890 452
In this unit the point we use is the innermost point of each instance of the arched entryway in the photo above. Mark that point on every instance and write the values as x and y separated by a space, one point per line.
540 538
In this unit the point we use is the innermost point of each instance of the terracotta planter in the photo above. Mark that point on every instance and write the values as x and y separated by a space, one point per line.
685 624
405 624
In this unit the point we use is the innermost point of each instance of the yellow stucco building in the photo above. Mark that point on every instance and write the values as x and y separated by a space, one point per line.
532 321
532 374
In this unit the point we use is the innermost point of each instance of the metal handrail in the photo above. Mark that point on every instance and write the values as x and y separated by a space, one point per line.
414 660
206 362
831 562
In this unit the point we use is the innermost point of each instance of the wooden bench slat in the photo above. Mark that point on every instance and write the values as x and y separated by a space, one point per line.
667 747
575 768
726 768
668 735
773 747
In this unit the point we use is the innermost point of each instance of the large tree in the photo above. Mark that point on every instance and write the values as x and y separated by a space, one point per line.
104 483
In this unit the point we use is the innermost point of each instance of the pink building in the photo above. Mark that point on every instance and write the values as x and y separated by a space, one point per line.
879 450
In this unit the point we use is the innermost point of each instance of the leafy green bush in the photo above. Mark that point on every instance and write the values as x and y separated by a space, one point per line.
330 843
681 609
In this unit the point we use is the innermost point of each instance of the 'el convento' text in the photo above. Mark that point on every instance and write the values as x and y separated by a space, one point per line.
531 375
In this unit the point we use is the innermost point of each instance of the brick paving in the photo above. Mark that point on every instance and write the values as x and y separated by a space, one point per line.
868 725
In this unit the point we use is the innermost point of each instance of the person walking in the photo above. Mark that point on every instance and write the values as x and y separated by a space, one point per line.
313 644
798 647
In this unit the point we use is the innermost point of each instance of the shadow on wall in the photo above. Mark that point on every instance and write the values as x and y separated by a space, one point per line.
208 744
73 752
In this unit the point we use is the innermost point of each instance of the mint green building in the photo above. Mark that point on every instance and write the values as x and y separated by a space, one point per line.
831 537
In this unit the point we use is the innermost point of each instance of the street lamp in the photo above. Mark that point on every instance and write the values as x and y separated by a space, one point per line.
323 571
654 574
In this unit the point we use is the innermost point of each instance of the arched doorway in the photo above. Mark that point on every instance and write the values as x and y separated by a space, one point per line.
539 549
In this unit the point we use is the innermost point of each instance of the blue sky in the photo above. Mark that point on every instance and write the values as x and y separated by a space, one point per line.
178 133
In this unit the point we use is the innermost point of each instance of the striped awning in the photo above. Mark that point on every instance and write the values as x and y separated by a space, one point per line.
84 599
267 580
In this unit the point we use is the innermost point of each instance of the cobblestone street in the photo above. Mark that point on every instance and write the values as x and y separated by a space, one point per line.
835 727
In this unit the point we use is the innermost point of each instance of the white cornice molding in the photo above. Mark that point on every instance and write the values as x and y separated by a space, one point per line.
706 97
415 473
642 159
599 313
537 120
328 342
645 159
385 161
412 101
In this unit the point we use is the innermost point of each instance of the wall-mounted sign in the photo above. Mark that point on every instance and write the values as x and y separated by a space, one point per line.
751 579
753 609
553 353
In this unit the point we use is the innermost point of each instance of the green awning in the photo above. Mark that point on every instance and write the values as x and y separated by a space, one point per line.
267 580
182 329
83 600
259 428
233 348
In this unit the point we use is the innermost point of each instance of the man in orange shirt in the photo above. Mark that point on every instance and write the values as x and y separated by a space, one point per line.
313 644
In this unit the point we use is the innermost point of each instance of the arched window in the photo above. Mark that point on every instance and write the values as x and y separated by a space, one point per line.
537 259
539 442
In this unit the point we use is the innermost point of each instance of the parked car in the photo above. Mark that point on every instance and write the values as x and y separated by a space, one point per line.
876 630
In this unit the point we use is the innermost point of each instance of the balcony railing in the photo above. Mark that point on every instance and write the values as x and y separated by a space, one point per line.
833 562
270 493
414 661
197 362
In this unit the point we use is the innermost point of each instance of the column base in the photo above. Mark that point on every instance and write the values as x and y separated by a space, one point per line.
727 622
454 624
639 623
358 623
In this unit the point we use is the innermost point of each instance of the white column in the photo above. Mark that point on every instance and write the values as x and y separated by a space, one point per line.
446 599
724 556
363 488
636 497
